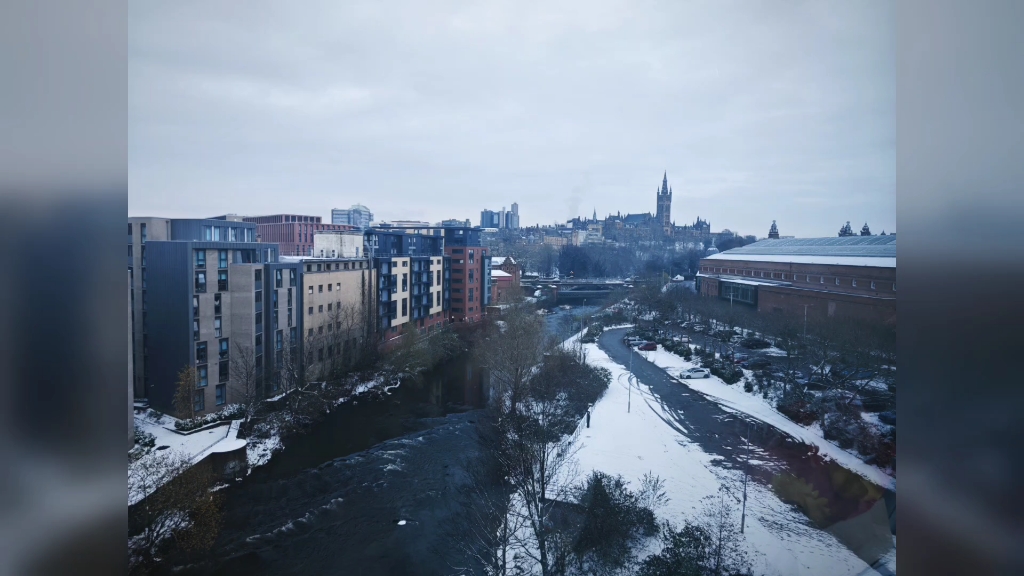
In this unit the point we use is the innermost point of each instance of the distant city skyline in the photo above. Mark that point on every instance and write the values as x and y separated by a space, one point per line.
758 112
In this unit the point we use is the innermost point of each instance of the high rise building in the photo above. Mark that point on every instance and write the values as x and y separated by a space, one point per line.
513 221
358 216
470 273
194 303
490 219
292 232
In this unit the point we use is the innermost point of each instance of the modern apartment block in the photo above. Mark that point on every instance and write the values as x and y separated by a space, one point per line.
412 281
470 273
358 216
291 232
142 231
200 306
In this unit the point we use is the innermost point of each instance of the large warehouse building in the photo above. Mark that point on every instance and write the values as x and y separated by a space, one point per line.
849 277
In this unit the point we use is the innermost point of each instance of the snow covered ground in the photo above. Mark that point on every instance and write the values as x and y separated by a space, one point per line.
194 446
778 539
732 397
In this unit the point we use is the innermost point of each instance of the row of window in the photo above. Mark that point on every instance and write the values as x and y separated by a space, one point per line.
792 277
200 258
321 266
199 398
228 234
200 281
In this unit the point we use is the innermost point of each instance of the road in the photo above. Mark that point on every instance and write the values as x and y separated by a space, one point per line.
723 433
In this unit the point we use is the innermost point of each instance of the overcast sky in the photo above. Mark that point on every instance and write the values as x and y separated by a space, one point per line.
431 109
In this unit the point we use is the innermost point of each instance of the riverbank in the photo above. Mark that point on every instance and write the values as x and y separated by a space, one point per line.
380 511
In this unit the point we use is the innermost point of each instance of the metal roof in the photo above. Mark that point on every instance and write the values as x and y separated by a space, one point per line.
862 246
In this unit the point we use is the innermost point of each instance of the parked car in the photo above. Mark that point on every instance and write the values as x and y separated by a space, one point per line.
695 373
737 358
755 343
756 364
682 339
632 340
648 346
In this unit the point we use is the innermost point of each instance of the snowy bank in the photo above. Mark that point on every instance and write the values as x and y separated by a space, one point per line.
733 397
778 538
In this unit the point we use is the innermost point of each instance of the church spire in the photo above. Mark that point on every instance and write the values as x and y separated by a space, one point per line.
664 183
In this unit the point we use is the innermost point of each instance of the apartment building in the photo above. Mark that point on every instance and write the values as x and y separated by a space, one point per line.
470 273
358 216
412 274
292 232
142 231
201 308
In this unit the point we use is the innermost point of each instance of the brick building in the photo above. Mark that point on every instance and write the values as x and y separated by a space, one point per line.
471 273
292 233
852 277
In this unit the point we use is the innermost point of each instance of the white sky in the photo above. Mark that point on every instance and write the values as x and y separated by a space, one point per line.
431 110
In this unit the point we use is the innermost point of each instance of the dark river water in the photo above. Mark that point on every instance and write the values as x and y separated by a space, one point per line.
369 489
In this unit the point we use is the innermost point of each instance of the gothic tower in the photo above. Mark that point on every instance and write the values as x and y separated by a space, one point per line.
663 217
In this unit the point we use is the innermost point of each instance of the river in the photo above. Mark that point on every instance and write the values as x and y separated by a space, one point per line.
363 491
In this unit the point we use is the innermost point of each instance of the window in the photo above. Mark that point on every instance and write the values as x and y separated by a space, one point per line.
195 306
438 277
223 353
195 330
217 233
837 281
853 282
259 342
319 329
200 352
330 287
319 289
438 299
199 401
405 306
289 297
310 310
405 264
893 286
207 233
290 320
259 275
293 334
328 306
129 232
311 290
277 278
222 280
259 321
202 376
222 371
309 332
291 276
405 282
320 309
216 327
808 278
821 280
339 285
872 285
222 391
222 258
142 231
273 300
216 303
278 340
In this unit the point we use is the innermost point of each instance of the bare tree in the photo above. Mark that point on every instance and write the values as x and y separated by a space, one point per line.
185 393
174 508
247 379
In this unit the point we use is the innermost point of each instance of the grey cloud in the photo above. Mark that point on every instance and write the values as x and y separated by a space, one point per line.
436 110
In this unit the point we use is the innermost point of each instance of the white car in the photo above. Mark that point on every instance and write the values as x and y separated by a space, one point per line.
695 373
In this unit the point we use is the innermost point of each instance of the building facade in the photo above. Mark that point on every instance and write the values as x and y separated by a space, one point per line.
202 307
358 216
470 273
291 232
412 281
848 277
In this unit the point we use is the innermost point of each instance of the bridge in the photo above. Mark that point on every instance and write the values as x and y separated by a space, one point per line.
574 290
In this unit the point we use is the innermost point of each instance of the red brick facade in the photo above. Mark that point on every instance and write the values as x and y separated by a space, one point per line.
820 290
467 283
292 233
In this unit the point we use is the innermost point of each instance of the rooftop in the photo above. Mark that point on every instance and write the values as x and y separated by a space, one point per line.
877 251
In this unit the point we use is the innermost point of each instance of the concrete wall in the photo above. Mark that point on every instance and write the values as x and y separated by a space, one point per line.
338 245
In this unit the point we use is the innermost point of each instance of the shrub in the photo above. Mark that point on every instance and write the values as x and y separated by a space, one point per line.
728 374
755 343
229 412
797 405
591 335
144 439
843 428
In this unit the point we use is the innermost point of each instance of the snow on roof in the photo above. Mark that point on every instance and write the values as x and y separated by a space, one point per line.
737 280
839 260
500 260
872 246
500 274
